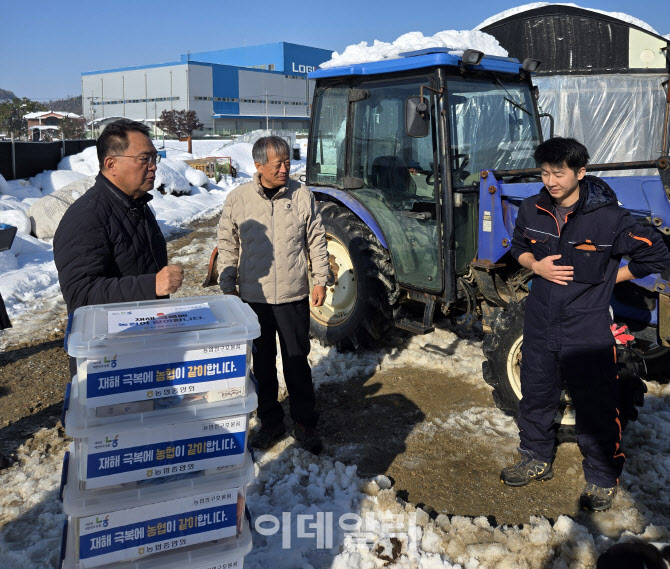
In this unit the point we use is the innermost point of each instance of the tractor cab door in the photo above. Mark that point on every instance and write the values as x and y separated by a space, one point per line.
492 126
393 175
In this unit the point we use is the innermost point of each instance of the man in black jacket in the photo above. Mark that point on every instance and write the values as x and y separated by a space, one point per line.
573 235
108 247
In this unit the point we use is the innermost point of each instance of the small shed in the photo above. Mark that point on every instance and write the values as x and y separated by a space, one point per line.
604 76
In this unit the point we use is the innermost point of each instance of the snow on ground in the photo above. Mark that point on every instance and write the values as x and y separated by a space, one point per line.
456 41
518 9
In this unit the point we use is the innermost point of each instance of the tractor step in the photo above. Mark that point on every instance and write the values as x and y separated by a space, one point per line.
419 326
413 326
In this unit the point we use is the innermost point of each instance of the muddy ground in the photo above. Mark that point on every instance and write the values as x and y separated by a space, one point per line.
384 423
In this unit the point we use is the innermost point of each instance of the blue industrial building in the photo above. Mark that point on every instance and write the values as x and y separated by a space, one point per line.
233 89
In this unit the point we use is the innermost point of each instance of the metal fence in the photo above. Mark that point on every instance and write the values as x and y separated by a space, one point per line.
21 159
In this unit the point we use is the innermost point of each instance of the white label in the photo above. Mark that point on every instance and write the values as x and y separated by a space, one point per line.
486 222
137 532
127 456
159 318
123 378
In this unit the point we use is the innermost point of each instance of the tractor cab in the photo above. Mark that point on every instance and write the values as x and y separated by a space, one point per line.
400 144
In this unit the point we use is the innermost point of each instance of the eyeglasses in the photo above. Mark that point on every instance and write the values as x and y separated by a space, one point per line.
145 159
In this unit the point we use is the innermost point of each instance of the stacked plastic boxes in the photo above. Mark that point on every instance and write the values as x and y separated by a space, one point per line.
159 413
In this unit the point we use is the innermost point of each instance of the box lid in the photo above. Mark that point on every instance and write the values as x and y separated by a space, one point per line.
161 324
81 503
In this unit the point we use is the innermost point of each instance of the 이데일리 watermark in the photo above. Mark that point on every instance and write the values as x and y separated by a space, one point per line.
351 530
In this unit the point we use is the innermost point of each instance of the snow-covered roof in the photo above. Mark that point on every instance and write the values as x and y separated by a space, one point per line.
44 127
105 119
618 15
38 114
455 40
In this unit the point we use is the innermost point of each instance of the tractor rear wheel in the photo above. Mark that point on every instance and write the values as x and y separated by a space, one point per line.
357 310
502 371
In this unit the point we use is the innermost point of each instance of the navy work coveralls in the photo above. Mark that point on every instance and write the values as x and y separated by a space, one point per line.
566 333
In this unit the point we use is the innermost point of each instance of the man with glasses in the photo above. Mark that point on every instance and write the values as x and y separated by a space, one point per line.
108 247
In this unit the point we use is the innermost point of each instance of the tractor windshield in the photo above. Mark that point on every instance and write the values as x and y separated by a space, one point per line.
493 127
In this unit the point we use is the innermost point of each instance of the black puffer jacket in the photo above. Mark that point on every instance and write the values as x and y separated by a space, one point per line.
108 248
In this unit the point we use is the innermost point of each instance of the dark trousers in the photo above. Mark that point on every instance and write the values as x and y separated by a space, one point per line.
590 377
291 322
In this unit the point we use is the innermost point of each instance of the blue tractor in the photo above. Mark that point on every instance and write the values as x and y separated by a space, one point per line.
419 165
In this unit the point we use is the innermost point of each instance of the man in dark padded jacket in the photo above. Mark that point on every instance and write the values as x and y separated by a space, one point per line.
573 235
108 247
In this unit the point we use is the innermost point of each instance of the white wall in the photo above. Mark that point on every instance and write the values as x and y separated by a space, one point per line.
154 89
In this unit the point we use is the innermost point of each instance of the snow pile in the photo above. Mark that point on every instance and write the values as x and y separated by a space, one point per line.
172 174
86 162
15 217
51 180
519 9
456 41
21 190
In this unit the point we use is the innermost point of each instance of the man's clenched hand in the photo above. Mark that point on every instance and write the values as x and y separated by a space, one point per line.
169 279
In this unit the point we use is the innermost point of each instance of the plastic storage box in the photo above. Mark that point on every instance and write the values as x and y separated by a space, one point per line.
156 355
145 447
126 525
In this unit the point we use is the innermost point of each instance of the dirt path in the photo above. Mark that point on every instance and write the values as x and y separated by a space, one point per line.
433 435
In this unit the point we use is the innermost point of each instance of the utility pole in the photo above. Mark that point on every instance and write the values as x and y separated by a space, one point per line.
267 119
92 111
146 98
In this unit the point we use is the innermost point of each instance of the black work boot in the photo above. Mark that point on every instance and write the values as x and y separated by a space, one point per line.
596 499
268 435
308 438
527 469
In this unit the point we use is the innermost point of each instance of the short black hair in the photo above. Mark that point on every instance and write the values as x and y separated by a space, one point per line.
114 139
259 152
559 151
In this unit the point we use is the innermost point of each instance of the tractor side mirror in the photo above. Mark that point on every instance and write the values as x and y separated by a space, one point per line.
417 117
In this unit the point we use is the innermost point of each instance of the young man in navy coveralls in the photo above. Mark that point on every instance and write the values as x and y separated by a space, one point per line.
572 235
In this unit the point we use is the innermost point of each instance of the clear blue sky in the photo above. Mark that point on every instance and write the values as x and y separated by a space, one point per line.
44 46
